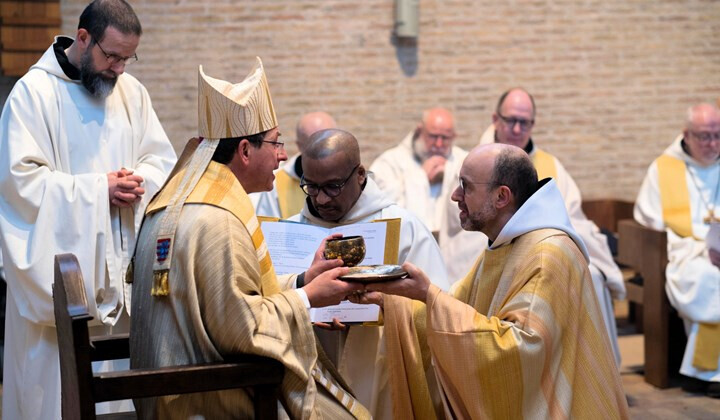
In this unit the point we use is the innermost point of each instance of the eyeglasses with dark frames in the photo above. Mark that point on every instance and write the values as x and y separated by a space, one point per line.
330 189
706 137
276 144
525 125
463 184
113 59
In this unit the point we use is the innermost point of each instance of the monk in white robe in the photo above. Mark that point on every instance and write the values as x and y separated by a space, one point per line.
413 174
286 198
518 107
680 196
330 155
521 336
82 152
204 284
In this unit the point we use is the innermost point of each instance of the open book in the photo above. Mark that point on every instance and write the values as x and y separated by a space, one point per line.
292 247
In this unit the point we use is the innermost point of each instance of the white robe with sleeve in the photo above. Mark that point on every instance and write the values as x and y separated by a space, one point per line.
692 282
460 248
400 175
363 360
57 145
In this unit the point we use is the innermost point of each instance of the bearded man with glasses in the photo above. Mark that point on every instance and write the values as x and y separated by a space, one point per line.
415 172
340 192
513 121
81 154
680 196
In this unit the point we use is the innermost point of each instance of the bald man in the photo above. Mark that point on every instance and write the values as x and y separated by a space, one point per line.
522 335
680 196
413 173
513 121
286 198
341 193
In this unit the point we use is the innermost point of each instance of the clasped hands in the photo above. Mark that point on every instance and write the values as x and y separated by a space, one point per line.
124 188
323 287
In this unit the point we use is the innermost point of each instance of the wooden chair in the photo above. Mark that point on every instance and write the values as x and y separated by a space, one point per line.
607 212
81 388
645 250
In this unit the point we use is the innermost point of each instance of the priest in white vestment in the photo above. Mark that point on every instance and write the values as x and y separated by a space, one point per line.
680 196
81 154
286 198
513 122
341 193
414 174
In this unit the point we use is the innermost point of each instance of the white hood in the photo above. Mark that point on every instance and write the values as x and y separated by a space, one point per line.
543 210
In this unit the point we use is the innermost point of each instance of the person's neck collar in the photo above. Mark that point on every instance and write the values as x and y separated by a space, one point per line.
61 44
298 166
529 146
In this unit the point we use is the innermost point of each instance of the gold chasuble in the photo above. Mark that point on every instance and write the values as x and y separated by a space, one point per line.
536 348
675 200
291 198
223 298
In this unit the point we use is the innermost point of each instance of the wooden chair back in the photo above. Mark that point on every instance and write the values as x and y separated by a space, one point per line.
645 250
81 388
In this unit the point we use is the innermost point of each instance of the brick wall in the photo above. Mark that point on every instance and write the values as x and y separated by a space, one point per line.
611 78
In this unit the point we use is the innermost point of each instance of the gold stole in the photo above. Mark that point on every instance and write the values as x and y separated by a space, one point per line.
675 200
674 195
219 187
291 198
544 164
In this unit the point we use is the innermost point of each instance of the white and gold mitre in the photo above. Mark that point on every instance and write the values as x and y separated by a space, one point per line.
235 110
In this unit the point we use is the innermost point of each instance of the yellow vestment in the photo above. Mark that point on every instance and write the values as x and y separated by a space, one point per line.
520 337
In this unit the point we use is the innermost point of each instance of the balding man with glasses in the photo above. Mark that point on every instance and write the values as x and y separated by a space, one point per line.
413 172
513 122
340 193
680 196
81 154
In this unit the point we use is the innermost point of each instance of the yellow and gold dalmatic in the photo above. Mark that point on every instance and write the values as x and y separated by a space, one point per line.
536 348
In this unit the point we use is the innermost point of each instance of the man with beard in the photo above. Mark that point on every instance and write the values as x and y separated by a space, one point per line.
413 173
341 193
81 154
522 335
513 122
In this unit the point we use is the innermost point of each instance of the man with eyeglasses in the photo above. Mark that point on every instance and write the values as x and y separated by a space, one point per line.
341 193
680 196
513 121
413 172
521 335
81 154
204 286
286 198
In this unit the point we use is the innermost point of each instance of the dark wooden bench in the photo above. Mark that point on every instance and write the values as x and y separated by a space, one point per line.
645 250
81 388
